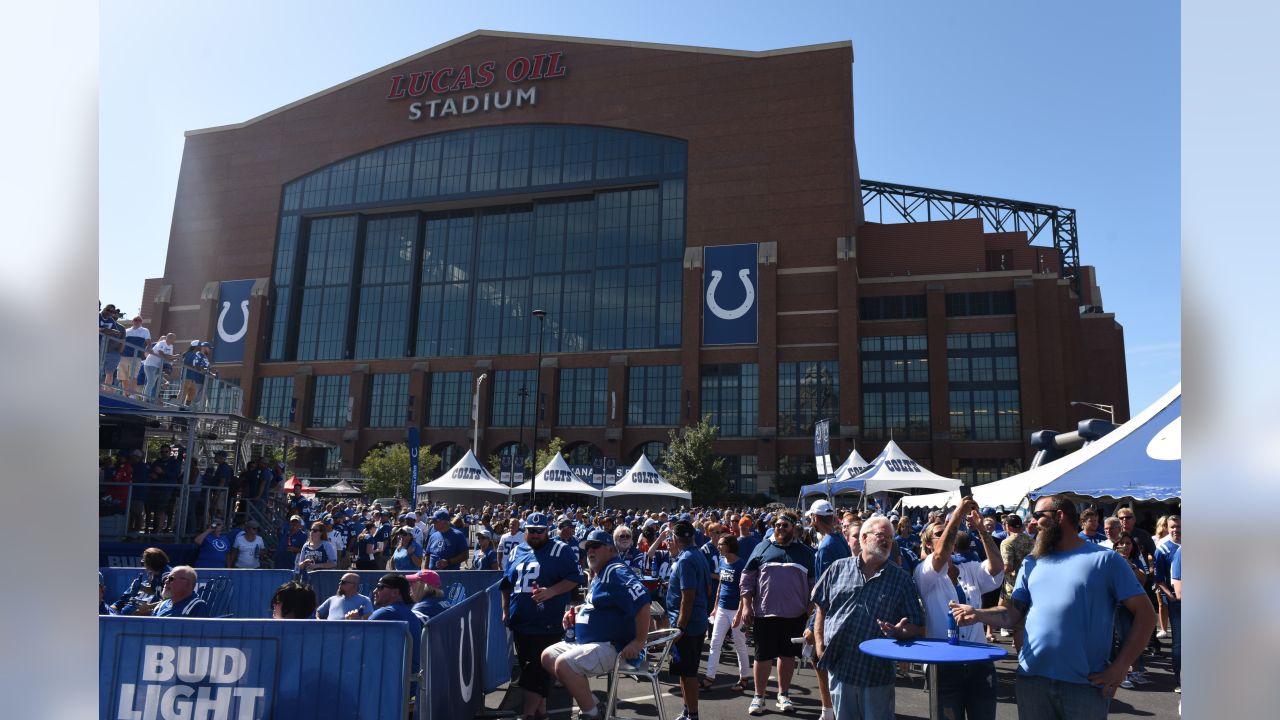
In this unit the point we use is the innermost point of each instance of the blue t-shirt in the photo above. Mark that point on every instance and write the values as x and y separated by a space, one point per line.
442 546
633 559
1094 538
429 607
1175 565
336 607
402 559
747 544
609 613
831 548
689 573
484 559
543 568
730 582
401 611
1072 596
213 551
191 606
1164 562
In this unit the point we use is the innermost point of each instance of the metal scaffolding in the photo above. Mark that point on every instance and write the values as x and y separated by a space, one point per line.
907 203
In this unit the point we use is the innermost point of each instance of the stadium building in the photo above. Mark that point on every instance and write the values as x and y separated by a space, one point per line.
691 222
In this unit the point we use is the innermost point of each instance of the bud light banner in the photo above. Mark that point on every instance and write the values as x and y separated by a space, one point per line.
454 647
233 321
729 275
160 668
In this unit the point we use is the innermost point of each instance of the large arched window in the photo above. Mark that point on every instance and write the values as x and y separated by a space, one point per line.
449 454
369 262
582 453
652 450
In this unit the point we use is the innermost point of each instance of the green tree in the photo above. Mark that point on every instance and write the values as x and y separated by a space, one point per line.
693 465
387 470
544 455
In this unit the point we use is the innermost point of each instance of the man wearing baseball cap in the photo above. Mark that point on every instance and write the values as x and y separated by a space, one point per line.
613 621
447 545
535 591
687 594
831 547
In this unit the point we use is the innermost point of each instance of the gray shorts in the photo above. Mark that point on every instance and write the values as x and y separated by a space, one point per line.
586 659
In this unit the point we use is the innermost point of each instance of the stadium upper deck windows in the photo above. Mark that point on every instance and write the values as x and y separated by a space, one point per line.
365 268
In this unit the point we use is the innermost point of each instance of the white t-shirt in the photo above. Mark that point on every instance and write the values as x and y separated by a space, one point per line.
936 590
506 543
154 360
247 552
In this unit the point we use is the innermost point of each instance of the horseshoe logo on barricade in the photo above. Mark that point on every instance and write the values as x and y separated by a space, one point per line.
467 639
244 326
747 302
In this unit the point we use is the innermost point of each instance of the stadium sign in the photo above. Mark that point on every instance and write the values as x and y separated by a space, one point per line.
448 80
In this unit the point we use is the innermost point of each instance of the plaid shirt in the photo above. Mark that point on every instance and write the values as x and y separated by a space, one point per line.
851 603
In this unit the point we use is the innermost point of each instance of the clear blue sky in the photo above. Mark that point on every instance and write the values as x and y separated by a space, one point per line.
1070 104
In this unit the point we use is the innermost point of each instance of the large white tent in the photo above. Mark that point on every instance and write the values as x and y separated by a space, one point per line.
894 470
842 480
466 474
1140 459
556 477
643 480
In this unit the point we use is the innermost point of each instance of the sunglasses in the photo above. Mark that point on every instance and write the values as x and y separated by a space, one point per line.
1036 515
349 582
594 545
782 525
535 531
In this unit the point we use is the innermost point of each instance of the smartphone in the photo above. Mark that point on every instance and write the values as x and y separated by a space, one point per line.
965 491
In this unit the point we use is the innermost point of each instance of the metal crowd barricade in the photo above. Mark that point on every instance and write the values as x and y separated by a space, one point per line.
214 395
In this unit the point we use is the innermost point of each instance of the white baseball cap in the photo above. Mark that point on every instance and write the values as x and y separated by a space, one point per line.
821 507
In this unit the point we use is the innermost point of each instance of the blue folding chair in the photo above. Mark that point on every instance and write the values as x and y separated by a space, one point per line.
217 594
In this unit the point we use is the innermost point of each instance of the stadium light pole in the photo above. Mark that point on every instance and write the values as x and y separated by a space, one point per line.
1110 410
537 398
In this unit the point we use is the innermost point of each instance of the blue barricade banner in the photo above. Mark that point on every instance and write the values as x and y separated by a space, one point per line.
250 590
153 668
125 554
499 655
454 646
325 582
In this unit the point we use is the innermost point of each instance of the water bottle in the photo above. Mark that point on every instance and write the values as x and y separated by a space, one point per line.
533 589
953 631
571 635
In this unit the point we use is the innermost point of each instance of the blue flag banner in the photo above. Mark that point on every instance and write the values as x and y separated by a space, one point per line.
415 447
454 646
729 281
252 669
250 590
233 320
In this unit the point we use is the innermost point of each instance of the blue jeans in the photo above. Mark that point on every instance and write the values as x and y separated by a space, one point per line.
1175 624
1042 698
966 691
861 702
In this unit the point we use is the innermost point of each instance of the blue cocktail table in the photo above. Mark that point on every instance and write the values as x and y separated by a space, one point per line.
933 653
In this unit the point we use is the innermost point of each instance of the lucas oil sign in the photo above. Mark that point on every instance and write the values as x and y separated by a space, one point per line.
729 281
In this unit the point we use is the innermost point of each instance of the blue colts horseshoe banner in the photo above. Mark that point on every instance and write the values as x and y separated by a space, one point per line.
454 647
232 322
729 279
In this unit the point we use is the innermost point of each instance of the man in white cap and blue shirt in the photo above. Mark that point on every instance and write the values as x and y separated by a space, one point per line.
832 547
447 545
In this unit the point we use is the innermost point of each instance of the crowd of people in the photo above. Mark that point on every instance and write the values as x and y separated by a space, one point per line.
583 587
132 362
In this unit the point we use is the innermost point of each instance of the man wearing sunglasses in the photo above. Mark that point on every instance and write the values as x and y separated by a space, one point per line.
613 621
1066 591
535 591
179 593
347 603
776 584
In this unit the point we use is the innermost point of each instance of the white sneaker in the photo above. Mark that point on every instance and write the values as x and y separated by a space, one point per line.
784 704
756 707
1139 678
1162 634
828 714
1004 632
1126 684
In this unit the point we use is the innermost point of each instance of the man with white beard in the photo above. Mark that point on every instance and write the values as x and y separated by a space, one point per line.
857 599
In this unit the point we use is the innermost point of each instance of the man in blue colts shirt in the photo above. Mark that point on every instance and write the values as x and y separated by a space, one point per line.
613 621
687 610
447 545
535 591
1066 591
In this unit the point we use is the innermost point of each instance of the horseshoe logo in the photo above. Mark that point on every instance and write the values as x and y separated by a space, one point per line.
734 314
466 639
244 327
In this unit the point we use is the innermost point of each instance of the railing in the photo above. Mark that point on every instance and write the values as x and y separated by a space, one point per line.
153 510
174 388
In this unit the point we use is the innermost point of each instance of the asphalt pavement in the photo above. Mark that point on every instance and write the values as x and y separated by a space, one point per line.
1153 700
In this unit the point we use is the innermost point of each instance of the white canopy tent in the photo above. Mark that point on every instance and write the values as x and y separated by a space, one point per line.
643 480
556 477
894 470
1147 426
466 475
852 466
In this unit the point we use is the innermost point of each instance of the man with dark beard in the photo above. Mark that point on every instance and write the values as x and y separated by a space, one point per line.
857 599
1063 669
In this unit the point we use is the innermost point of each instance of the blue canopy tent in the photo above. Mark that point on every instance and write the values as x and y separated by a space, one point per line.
1141 459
